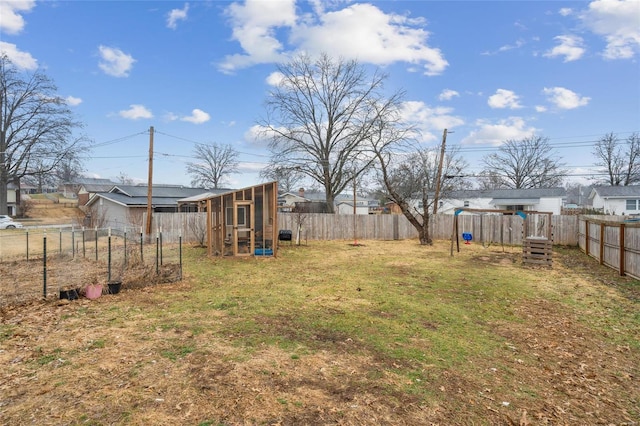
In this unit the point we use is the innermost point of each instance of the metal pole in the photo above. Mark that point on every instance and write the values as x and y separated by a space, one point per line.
60 242
180 249
73 243
157 252
27 246
84 251
141 255
125 247
96 243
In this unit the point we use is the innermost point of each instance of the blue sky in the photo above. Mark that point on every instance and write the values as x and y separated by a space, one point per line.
200 71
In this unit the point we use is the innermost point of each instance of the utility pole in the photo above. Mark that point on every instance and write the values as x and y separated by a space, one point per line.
439 175
150 183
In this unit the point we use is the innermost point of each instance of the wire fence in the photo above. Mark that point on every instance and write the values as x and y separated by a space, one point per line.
65 262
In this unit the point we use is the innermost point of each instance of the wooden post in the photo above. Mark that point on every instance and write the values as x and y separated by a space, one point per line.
602 243
150 183
586 237
622 231
439 175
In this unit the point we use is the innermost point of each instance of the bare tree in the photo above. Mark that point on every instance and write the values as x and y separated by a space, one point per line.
410 175
216 163
124 179
288 178
526 163
35 127
618 160
411 179
70 167
320 118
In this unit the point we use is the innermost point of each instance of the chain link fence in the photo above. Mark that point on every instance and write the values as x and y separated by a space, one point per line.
64 262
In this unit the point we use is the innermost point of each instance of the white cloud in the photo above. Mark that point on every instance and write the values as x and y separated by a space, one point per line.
448 94
505 48
177 15
73 101
564 98
136 112
504 99
115 62
197 116
364 32
565 11
430 121
254 26
359 31
512 128
275 78
618 22
12 21
541 108
22 60
258 134
570 46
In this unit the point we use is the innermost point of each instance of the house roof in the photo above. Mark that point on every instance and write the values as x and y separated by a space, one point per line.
95 187
91 181
162 195
507 194
514 201
616 191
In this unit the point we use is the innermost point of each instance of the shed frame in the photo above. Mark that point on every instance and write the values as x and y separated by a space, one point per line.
243 222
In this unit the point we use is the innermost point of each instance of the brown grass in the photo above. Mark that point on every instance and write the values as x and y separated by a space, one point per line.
316 337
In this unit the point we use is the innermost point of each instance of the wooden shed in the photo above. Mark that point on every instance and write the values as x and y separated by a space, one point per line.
243 222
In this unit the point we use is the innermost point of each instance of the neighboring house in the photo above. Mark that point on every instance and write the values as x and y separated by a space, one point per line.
125 205
616 200
343 203
288 200
84 188
535 199
12 199
89 187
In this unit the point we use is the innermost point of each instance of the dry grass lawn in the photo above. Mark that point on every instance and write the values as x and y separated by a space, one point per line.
388 333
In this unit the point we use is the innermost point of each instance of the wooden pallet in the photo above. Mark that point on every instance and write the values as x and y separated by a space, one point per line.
537 251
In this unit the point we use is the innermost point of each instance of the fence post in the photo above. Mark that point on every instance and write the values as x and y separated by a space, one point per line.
141 250
586 237
622 230
44 266
96 243
157 252
125 247
602 243
60 243
27 245
84 252
180 250
109 256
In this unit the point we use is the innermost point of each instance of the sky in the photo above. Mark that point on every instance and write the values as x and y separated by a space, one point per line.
200 72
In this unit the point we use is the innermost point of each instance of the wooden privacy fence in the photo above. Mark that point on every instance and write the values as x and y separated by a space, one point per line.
612 241
487 228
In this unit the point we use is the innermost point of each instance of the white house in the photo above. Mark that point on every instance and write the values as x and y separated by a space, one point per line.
616 200
535 199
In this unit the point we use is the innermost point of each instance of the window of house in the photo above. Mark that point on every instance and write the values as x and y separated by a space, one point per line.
466 204
632 204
